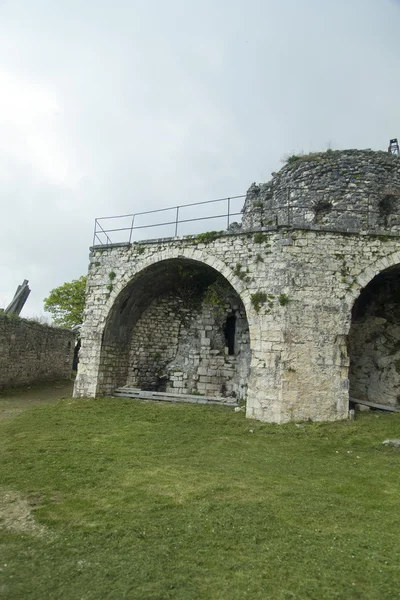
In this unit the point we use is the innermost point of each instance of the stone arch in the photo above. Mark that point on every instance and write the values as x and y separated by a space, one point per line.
149 315
194 254
373 341
372 270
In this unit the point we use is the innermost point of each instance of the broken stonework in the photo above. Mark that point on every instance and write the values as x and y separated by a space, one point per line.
393 443
350 190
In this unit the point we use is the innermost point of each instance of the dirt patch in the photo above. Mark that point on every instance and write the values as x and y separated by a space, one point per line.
16 400
16 515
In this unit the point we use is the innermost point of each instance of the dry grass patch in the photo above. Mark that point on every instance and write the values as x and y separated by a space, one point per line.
16 514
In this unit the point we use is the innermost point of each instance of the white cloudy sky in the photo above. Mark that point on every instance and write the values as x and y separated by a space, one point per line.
109 107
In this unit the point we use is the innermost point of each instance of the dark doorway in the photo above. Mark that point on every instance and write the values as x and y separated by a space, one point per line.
230 330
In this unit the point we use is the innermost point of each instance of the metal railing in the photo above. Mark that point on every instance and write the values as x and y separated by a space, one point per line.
292 207
104 235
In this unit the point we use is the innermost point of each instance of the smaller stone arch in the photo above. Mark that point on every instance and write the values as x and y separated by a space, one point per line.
372 270
374 334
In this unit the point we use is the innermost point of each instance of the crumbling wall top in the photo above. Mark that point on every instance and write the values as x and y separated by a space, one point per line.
349 190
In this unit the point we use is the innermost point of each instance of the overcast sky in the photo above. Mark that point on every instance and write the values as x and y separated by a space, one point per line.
109 107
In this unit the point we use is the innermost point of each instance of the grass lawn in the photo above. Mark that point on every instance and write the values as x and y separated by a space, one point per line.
117 499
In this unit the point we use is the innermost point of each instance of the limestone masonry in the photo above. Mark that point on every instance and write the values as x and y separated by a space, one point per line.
31 352
292 310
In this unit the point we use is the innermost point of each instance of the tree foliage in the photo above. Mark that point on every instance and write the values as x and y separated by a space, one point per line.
66 303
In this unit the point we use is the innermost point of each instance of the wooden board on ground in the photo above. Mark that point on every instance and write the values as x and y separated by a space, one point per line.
126 392
374 405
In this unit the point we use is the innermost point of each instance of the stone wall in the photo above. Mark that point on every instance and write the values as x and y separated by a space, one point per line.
298 334
297 285
155 342
185 350
31 352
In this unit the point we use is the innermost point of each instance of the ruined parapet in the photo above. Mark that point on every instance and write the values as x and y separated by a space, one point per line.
349 190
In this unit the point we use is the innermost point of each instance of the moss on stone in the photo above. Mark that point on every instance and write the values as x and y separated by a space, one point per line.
258 299
283 299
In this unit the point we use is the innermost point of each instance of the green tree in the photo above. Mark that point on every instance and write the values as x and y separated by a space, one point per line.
66 303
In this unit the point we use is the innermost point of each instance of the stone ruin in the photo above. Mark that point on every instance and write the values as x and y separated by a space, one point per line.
296 310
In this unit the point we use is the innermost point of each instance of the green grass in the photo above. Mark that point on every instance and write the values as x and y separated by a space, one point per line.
156 501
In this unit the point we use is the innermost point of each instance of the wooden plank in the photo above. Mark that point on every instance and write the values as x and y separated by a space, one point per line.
176 400
171 395
374 405
164 397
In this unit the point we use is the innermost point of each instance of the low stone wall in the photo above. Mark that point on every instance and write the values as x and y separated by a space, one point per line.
31 352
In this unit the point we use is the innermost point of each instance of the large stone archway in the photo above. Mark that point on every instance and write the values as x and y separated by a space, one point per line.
113 309
177 326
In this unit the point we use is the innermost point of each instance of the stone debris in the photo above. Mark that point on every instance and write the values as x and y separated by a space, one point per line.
393 443
362 408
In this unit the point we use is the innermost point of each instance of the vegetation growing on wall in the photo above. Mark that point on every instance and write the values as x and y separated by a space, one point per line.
208 237
258 299
261 238
293 159
283 299
216 294
189 281
238 272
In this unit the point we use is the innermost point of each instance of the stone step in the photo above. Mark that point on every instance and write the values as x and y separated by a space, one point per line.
128 392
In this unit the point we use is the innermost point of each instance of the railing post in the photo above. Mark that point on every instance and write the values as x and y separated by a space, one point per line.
95 232
229 210
130 235
176 222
